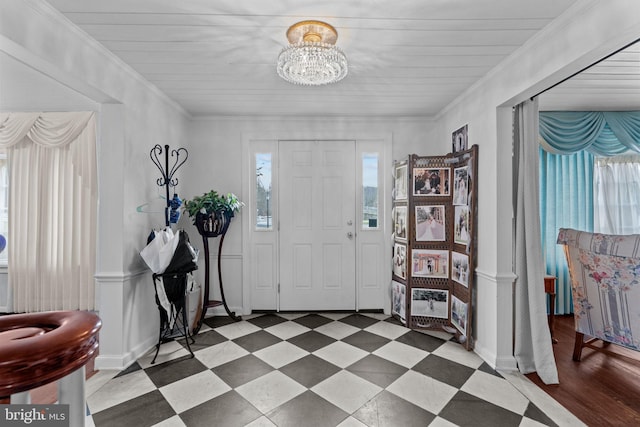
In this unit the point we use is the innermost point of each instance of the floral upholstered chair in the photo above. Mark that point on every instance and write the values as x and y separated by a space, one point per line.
605 276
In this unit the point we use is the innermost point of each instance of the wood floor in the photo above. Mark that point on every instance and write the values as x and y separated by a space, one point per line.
603 389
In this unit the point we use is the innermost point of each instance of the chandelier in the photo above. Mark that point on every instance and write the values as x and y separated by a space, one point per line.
312 58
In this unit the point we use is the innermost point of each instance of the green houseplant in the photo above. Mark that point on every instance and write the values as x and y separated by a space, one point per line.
212 202
212 212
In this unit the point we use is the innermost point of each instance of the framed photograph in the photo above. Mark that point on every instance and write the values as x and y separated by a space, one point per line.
461 186
460 268
400 260
459 139
429 263
398 300
400 222
459 314
400 182
430 302
430 223
430 182
461 225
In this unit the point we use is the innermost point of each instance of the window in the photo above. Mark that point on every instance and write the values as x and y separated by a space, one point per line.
588 193
370 190
616 195
264 206
57 192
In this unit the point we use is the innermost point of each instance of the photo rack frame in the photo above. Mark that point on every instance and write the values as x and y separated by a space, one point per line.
438 243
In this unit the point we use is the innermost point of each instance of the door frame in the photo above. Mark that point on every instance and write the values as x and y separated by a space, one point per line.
260 249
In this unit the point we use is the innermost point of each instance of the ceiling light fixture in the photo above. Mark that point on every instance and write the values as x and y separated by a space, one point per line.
312 58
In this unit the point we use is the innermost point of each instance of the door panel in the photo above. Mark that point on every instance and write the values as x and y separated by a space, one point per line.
317 217
302 266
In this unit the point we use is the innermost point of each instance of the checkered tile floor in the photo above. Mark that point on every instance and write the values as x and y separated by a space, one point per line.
323 369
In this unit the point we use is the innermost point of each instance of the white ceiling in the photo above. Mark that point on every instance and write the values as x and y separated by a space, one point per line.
612 84
406 58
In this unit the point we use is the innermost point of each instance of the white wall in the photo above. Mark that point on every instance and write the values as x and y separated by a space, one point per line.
216 163
134 116
585 33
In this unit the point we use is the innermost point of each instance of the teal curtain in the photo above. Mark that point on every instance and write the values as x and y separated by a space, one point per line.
566 200
603 133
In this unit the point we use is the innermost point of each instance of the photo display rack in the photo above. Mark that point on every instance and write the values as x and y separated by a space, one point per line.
434 250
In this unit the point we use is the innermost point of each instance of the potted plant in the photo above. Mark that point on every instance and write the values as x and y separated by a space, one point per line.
211 213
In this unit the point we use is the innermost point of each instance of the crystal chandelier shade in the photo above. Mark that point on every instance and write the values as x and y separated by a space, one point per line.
312 57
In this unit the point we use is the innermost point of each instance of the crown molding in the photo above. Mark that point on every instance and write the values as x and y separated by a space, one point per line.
50 13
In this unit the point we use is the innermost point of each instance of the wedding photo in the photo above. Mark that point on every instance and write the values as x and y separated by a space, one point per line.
460 268
400 184
430 223
430 182
400 222
461 225
430 302
461 185
459 139
398 298
429 263
459 314
400 260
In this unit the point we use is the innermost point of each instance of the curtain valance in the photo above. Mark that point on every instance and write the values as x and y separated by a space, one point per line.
604 133
53 202
44 129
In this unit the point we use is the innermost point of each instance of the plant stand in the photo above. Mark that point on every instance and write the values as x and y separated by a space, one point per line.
213 225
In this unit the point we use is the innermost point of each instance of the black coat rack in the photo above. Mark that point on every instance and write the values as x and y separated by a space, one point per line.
174 278
166 179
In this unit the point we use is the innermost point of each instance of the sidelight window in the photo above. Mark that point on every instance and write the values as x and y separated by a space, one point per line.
263 200
370 194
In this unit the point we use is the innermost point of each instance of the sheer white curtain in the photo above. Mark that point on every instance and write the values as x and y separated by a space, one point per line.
532 347
616 195
52 209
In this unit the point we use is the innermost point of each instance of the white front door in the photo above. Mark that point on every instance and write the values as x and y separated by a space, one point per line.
317 225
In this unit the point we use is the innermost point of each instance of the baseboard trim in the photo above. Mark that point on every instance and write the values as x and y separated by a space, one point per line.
119 277
498 278
121 362
505 363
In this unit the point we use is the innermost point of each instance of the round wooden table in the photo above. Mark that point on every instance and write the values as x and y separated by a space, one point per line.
39 348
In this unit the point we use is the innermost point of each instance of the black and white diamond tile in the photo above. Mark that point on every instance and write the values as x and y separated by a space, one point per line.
199 388
281 354
240 371
387 409
341 354
319 369
270 391
377 370
287 330
310 370
337 330
308 406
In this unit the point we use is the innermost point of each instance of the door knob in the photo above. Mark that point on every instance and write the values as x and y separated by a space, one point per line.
349 222
350 235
